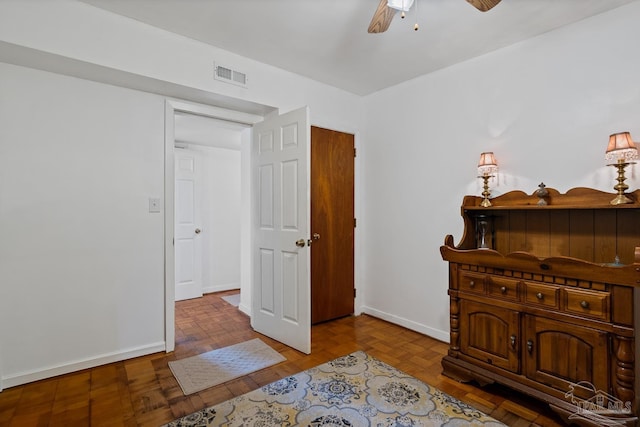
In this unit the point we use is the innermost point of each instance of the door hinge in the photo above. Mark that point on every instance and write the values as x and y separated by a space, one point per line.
355 291
355 222
355 152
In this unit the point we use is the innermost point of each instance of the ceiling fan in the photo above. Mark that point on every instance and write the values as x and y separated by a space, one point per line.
387 9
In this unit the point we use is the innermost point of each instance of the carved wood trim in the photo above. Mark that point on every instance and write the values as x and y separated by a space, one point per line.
624 371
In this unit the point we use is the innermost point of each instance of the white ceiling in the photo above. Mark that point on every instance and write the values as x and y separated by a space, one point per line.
327 40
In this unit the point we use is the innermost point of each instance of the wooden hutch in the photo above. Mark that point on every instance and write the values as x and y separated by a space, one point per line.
542 300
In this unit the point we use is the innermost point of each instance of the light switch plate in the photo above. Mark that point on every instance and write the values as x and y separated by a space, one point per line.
154 205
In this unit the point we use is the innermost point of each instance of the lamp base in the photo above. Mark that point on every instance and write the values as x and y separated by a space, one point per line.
485 192
621 199
621 187
485 203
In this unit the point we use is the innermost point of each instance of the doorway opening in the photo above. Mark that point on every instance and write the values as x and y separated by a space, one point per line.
208 205
244 121
184 124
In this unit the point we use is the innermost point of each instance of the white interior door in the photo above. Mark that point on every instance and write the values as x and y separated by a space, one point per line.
281 294
188 231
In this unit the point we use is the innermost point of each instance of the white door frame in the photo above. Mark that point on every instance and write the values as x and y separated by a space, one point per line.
171 107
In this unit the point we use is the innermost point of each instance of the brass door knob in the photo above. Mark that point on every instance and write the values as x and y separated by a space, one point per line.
300 243
198 231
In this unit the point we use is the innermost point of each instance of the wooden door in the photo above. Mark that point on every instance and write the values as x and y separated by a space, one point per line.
281 306
491 334
332 224
560 354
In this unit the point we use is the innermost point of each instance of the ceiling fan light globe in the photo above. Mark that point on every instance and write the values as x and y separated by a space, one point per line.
403 5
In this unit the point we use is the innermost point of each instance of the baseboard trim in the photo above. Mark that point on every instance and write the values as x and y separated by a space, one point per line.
245 309
409 324
53 371
220 288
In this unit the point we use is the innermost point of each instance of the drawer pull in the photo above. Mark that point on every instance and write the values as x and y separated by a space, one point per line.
472 284
503 289
530 346
513 341
540 296
584 304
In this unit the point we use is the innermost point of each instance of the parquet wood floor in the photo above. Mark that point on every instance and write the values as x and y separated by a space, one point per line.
143 392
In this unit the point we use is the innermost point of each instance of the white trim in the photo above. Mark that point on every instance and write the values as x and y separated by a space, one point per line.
245 309
78 365
409 324
171 107
169 229
215 112
220 288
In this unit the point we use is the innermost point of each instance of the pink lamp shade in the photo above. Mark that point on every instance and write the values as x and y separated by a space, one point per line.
621 147
487 164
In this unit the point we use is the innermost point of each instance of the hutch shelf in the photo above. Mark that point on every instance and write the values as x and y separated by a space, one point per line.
543 297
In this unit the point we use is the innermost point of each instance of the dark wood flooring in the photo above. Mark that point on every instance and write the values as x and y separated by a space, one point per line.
143 392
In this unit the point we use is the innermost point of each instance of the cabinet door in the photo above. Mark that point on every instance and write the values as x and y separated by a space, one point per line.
560 354
490 334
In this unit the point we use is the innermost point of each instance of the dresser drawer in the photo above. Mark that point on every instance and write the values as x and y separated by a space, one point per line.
588 303
503 288
470 282
541 294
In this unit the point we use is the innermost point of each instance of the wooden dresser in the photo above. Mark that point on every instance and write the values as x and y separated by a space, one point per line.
546 304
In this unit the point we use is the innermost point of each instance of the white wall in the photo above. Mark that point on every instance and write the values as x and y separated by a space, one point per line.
224 209
81 258
81 262
545 107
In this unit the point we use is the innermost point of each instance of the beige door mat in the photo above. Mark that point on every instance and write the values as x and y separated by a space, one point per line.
215 367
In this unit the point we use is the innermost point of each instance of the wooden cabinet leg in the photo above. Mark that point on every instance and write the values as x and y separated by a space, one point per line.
624 371
454 319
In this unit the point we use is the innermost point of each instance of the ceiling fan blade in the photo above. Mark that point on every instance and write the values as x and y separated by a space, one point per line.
381 18
483 5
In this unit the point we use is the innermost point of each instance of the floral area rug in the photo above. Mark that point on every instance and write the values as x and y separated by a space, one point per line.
351 391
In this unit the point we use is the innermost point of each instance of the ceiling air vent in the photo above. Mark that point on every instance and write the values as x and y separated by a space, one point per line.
228 75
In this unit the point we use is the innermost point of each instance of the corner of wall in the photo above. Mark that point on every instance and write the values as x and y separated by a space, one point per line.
409 324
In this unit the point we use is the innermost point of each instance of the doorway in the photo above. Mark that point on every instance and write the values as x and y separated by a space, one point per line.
241 130
207 205
248 120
